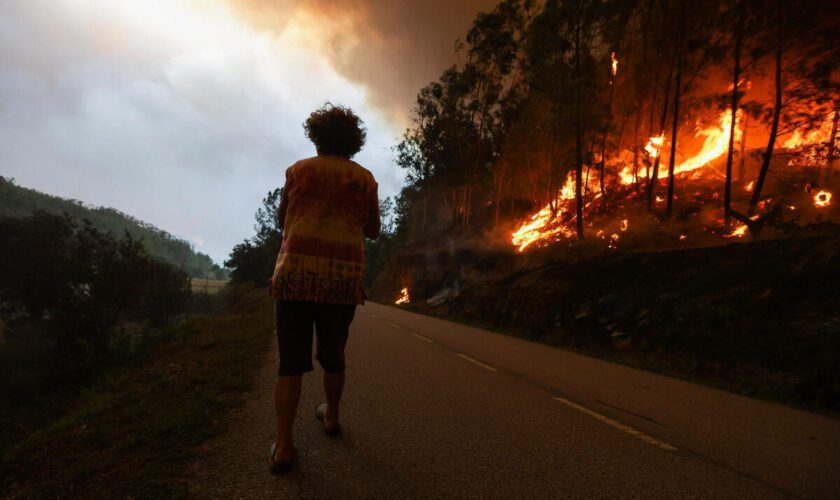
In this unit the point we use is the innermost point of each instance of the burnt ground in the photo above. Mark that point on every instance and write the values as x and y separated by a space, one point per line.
759 318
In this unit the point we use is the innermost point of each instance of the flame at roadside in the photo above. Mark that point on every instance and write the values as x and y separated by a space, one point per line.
404 297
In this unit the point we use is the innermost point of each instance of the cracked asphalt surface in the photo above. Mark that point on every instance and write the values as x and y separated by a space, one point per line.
434 409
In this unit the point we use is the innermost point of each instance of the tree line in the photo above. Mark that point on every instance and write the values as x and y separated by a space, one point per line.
17 201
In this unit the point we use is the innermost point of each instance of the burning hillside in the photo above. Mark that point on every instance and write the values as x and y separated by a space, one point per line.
699 179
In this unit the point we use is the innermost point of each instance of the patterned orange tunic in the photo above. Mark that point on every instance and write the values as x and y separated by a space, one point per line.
329 204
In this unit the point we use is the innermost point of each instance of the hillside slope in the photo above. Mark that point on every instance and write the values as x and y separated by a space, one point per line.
18 201
759 318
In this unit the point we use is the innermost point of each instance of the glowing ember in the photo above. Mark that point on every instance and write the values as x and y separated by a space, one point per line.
625 224
683 237
749 187
822 199
738 232
614 64
403 298
613 242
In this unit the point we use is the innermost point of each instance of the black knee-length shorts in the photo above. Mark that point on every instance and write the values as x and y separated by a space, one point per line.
294 321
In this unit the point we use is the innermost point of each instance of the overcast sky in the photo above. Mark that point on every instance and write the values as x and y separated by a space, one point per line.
184 113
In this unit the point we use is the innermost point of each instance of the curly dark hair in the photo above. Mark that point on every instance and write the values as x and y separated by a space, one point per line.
335 130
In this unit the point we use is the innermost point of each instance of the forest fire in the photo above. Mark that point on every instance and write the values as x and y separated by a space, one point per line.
654 145
404 297
553 221
556 220
714 146
539 226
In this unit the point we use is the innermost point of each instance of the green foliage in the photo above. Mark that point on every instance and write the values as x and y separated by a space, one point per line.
252 261
73 302
17 201
378 251
75 285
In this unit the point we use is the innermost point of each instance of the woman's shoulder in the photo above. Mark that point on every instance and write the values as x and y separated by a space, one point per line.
321 163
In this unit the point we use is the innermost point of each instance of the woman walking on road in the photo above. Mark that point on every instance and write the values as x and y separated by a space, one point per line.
329 204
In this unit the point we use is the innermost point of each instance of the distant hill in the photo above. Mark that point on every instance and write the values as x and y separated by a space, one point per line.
17 201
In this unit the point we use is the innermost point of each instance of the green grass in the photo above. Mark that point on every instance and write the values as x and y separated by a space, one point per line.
134 434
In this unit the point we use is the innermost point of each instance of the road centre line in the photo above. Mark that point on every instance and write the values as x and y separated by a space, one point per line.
474 361
618 425
597 416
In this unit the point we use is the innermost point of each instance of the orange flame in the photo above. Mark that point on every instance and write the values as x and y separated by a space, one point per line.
738 232
816 136
404 298
614 68
538 228
654 145
714 146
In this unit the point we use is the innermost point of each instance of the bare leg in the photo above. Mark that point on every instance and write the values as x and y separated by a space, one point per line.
333 387
286 398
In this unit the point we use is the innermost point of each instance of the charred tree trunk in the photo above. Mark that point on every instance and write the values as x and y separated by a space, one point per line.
655 170
832 139
673 156
777 112
602 164
454 207
742 156
675 126
578 131
423 220
636 149
736 75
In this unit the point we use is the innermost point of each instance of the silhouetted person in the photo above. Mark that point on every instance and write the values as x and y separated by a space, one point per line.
329 205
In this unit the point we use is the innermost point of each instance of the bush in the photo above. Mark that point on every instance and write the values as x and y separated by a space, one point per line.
77 287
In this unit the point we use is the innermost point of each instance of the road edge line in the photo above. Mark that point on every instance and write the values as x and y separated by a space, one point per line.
475 361
618 425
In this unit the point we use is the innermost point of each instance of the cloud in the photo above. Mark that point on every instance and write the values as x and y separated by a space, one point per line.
393 48
176 112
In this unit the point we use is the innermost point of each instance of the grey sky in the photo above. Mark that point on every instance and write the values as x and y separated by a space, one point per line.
184 113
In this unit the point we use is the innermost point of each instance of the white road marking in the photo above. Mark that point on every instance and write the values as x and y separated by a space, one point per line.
618 425
394 325
479 363
423 338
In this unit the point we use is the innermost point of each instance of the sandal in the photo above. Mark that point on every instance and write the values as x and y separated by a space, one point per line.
280 466
320 411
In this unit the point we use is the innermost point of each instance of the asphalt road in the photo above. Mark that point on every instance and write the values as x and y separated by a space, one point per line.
435 409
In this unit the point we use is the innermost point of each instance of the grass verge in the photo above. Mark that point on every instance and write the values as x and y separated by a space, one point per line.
134 434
